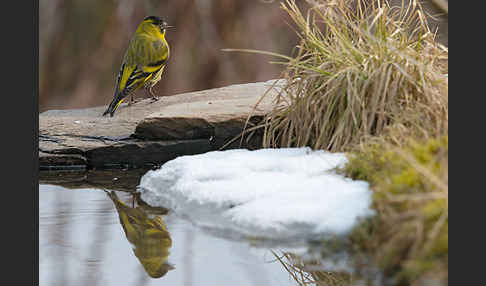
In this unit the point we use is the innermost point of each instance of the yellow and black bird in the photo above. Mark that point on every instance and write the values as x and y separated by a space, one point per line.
148 235
144 61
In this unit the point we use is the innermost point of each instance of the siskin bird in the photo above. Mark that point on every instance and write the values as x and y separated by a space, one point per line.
149 237
144 61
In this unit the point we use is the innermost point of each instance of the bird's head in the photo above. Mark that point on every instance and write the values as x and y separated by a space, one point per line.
157 21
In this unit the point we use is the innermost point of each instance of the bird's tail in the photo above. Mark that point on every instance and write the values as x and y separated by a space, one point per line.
113 106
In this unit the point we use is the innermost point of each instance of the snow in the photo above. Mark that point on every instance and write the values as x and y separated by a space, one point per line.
271 193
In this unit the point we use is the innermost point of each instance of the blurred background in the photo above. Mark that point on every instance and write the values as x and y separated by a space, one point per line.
82 43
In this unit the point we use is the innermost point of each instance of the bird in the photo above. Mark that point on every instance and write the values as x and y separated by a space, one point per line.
144 61
148 236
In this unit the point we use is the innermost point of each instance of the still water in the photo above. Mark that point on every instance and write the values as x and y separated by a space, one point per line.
85 239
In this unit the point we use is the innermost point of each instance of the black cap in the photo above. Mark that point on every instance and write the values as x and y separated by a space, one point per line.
155 19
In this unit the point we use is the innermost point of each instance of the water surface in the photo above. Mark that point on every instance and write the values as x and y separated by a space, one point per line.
91 235
82 242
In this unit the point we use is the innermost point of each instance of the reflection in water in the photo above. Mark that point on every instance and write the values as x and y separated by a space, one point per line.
188 254
149 236
59 233
312 272
331 269
81 243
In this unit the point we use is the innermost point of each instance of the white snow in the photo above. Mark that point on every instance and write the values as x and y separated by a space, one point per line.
272 193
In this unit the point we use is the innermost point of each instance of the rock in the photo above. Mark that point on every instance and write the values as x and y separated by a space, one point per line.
151 133
196 118
54 161
113 179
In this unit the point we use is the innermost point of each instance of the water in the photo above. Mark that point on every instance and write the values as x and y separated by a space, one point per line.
84 239
82 242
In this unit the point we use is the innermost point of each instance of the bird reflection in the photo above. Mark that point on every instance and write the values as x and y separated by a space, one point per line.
149 236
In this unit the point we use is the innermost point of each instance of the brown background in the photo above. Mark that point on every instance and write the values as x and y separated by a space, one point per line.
82 43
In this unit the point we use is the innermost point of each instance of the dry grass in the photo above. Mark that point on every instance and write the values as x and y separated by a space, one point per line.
358 70
310 272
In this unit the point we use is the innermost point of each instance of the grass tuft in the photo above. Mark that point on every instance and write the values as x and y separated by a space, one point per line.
370 79
357 71
311 272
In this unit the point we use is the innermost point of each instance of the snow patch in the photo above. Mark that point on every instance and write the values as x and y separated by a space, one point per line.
273 193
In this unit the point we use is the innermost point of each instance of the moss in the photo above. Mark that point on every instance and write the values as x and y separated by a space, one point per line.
408 238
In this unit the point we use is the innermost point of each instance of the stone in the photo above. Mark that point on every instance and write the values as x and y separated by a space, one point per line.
111 179
150 133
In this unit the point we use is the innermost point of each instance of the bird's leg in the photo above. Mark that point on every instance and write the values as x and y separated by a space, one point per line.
133 200
154 98
132 100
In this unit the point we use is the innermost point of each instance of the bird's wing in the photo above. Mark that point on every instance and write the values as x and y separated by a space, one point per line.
145 56
151 53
